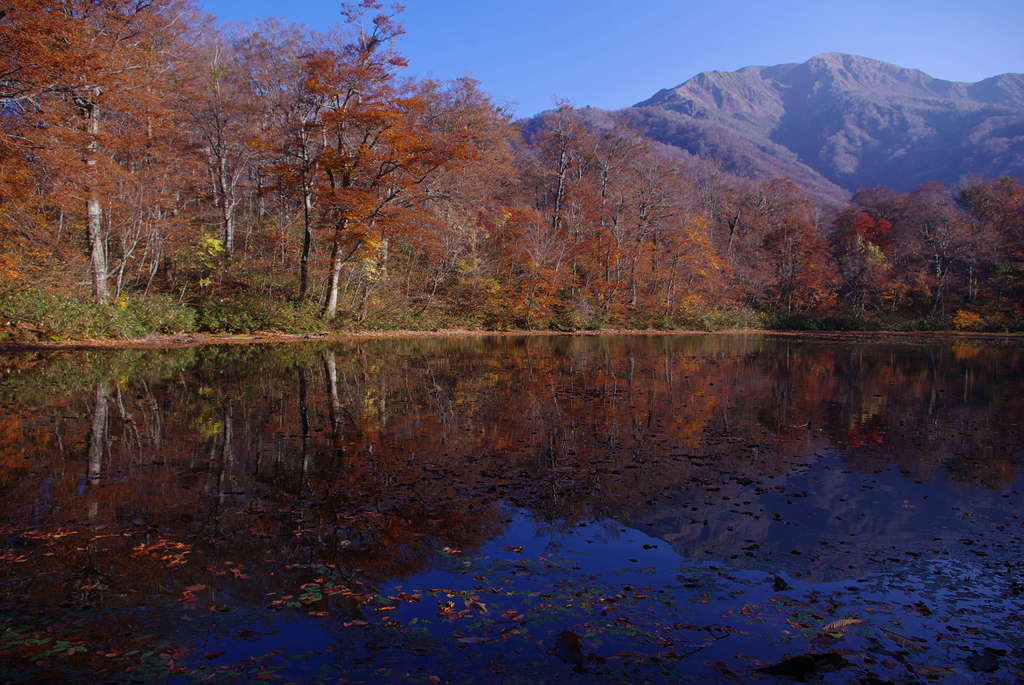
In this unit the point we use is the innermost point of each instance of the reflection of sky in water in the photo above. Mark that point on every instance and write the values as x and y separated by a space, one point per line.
908 607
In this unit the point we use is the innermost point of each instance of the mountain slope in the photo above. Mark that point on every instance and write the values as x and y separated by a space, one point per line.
837 123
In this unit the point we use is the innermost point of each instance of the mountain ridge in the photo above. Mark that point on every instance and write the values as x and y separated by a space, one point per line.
837 123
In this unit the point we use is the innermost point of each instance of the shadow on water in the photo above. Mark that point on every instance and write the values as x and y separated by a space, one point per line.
628 509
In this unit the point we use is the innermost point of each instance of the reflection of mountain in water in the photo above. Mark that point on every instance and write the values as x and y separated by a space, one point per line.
825 522
813 458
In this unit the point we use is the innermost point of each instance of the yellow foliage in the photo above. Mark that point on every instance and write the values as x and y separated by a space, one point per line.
211 246
374 268
967 321
211 249
691 302
209 427
872 252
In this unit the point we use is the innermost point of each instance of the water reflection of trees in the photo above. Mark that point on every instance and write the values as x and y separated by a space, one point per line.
374 456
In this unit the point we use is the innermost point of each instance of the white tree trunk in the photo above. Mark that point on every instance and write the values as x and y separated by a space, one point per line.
94 211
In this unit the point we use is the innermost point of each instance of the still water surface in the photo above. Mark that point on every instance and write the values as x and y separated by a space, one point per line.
567 509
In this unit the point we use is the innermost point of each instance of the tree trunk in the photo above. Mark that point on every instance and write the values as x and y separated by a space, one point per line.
98 251
364 304
227 205
331 306
307 240
94 210
940 287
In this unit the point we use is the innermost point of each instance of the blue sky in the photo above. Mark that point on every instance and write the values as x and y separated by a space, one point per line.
612 54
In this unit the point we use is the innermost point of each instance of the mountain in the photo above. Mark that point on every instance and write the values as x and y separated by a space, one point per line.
837 123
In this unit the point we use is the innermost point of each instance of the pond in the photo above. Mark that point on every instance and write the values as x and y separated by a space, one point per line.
699 508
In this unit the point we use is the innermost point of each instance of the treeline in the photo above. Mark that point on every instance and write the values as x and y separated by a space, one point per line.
196 177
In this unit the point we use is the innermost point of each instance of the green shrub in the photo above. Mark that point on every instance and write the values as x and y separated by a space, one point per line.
705 320
252 313
923 324
566 320
162 314
37 315
218 315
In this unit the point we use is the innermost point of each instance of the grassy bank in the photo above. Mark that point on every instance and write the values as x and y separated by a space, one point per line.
33 316
36 316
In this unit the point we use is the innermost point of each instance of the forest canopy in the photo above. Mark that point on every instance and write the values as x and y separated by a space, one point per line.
161 173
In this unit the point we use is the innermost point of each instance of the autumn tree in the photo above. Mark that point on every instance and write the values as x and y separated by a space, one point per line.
289 140
996 212
938 240
800 279
221 109
451 248
861 248
381 145
552 223
78 76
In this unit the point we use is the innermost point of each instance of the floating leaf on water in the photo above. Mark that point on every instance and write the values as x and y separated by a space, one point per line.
836 626
479 606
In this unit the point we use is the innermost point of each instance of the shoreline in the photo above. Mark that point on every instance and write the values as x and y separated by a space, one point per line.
269 338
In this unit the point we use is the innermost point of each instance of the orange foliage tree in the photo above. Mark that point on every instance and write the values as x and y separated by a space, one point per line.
384 140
